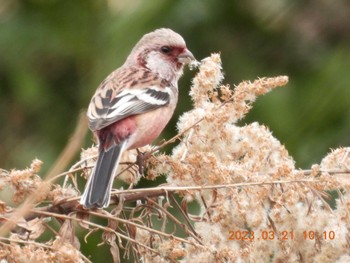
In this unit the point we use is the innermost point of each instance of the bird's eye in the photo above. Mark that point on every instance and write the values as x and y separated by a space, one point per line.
166 49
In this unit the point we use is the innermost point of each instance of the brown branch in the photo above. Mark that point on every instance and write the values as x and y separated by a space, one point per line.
70 205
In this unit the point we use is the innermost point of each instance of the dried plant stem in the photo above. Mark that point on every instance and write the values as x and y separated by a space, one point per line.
192 234
129 195
108 229
163 189
188 221
150 230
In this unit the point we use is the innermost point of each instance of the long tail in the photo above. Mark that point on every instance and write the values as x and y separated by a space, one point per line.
98 189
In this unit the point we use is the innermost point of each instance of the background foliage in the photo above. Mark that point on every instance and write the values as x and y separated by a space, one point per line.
53 54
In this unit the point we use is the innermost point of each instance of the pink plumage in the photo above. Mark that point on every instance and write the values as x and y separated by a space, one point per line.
132 106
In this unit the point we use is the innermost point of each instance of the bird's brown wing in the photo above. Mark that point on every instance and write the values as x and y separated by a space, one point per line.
127 92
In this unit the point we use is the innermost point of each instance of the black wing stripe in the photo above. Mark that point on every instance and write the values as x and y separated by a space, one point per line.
159 95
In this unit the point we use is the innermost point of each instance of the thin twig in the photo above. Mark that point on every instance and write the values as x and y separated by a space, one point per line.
184 215
179 223
151 230
99 226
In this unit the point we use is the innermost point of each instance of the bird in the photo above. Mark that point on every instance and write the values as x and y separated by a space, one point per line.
132 106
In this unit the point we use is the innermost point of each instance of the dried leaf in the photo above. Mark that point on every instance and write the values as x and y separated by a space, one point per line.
184 208
119 208
30 229
115 252
3 207
67 234
108 237
132 231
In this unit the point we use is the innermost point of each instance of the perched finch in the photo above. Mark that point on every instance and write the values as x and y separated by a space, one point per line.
132 106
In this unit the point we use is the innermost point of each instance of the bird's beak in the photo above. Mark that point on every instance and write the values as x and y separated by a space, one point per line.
185 57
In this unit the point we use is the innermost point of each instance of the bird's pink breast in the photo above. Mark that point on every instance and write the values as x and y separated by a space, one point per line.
149 126
140 130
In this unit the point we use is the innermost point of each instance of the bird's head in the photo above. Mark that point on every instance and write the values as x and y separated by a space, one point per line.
162 51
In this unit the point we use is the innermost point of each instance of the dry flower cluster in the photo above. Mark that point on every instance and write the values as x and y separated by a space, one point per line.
254 204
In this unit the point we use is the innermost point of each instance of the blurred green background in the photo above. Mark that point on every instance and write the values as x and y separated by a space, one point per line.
54 53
